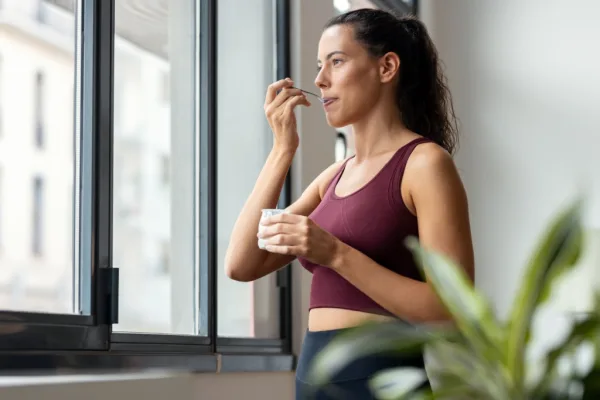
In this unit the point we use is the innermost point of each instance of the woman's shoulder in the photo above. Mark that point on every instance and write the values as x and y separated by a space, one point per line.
429 156
429 169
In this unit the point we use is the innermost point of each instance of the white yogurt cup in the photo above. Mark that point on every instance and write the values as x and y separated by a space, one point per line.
268 212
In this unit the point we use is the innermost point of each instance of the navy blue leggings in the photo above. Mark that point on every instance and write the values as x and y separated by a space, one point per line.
351 382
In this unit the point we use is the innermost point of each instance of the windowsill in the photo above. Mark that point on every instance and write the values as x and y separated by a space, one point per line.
13 381
257 362
18 369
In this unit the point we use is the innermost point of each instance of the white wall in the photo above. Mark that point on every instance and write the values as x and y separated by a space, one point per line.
526 87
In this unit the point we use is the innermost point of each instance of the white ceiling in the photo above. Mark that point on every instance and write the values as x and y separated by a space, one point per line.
142 22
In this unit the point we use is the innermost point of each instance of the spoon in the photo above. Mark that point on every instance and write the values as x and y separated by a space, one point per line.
316 95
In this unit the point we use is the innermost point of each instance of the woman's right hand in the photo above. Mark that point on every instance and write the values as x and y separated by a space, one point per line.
280 102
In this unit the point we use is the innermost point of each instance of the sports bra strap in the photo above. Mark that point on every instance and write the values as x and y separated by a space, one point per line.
400 167
333 182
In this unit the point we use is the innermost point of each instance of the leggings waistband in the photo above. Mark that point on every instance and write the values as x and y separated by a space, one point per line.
316 341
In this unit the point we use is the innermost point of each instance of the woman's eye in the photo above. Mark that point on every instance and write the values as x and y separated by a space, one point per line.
334 61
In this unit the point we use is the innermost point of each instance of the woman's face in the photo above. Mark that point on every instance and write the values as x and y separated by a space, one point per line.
348 77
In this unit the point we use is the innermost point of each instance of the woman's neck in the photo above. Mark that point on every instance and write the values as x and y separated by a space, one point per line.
377 133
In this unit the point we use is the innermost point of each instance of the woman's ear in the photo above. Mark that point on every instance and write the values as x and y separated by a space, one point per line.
389 64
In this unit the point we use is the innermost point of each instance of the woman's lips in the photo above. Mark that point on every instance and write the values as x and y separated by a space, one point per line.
328 100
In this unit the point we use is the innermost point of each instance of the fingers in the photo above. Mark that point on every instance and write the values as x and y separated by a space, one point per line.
285 250
285 113
283 240
285 218
276 87
284 95
276 229
296 100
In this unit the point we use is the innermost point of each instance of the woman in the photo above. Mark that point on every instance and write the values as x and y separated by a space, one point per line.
381 75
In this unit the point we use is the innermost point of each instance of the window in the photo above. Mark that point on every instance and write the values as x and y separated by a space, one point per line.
243 142
170 253
149 302
37 261
126 234
39 109
38 216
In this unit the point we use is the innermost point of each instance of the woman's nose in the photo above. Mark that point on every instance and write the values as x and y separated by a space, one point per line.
320 80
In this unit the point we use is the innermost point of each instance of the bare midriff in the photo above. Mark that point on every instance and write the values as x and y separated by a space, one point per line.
325 319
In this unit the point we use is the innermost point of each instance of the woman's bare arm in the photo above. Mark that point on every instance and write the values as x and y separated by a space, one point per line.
244 261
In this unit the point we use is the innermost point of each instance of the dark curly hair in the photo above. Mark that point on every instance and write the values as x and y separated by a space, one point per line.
423 96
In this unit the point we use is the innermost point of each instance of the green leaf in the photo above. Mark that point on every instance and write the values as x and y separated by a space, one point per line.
591 385
558 250
457 392
450 386
580 332
369 339
471 311
457 365
595 339
397 383
424 394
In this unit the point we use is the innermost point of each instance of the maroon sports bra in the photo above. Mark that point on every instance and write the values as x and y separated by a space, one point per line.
373 220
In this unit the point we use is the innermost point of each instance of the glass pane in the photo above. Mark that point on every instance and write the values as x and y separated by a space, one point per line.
244 141
38 54
153 183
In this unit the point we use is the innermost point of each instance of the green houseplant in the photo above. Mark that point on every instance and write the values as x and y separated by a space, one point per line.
480 357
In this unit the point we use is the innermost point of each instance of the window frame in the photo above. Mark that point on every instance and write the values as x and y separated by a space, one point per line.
30 340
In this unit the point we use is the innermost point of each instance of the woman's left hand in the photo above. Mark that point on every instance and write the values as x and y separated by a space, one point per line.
299 236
